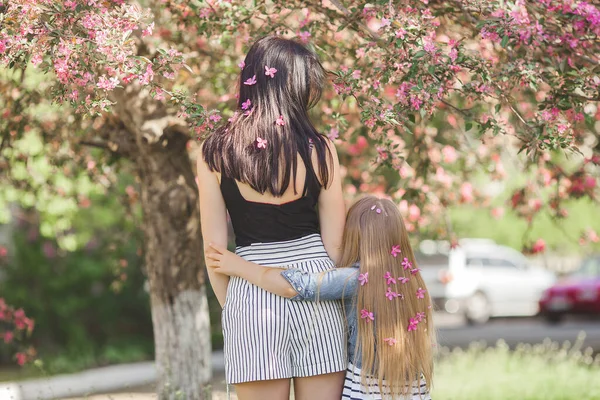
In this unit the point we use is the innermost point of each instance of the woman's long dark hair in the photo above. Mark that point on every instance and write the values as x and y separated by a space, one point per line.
235 150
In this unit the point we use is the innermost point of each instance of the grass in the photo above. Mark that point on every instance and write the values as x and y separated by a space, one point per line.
546 371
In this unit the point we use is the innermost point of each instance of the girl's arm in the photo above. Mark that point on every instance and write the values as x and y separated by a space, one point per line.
335 284
332 209
213 220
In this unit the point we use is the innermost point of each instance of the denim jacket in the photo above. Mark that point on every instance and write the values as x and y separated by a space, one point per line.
336 284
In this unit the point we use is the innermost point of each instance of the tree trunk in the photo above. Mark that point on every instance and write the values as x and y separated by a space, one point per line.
173 245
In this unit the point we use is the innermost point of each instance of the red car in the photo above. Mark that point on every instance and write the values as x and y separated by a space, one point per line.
579 293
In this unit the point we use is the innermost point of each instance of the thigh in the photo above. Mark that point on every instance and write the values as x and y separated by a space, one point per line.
276 389
319 387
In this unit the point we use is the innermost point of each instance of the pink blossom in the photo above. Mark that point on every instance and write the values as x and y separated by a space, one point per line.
390 341
539 246
497 212
420 293
420 316
21 358
246 104
412 324
280 121
396 250
449 154
466 192
390 294
414 271
3 251
261 143
363 279
413 213
148 30
242 64
304 36
365 314
250 81
333 134
8 337
403 279
2 46
406 264
270 71
215 118
400 33
388 278
356 74
415 102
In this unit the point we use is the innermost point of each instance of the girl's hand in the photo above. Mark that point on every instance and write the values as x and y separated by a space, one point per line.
223 261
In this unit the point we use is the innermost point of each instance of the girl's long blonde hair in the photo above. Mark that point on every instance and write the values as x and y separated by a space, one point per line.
389 350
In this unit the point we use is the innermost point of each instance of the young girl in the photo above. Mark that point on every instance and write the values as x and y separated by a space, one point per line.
387 308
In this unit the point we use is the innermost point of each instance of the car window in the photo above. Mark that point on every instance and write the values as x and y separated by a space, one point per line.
590 268
490 262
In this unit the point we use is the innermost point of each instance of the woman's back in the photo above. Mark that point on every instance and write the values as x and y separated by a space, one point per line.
264 218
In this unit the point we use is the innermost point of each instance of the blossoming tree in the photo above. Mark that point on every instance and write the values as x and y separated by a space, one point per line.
426 97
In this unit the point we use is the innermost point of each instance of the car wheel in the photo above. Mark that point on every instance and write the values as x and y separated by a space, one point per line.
554 318
477 309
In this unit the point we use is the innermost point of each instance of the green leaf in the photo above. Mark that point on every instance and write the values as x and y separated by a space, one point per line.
497 108
412 118
420 54
504 41
468 125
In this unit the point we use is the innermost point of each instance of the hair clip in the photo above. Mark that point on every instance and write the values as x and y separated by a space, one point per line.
270 72
421 293
363 278
250 81
261 143
377 210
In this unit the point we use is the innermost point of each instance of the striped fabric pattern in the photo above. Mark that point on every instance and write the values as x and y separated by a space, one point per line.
355 390
270 337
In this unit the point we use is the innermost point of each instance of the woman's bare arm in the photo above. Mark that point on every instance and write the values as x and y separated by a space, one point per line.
332 209
213 218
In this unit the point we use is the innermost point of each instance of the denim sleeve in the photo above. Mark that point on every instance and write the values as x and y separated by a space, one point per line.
335 284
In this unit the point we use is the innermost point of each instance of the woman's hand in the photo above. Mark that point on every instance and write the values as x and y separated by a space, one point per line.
223 261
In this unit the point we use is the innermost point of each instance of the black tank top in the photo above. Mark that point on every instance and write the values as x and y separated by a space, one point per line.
255 222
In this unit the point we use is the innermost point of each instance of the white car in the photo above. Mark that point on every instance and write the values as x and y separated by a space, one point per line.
481 279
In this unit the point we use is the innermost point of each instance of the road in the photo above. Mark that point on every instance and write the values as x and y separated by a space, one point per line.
452 331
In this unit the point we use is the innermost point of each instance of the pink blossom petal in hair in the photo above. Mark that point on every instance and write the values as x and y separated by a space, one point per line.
280 121
390 294
388 278
412 324
406 264
246 105
270 71
366 314
390 341
421 293
242 64
414 271
403 279
250 81
363 279
396 250
261 143
420 316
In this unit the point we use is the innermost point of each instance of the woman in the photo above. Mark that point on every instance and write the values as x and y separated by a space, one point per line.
270 168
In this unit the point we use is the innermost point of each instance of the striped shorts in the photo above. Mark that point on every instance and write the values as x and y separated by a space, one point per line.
271 337
355 390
